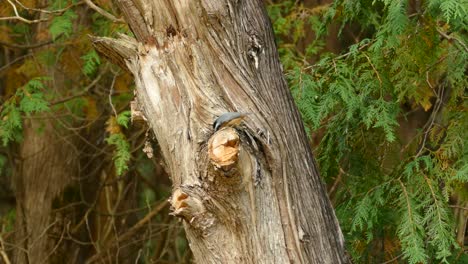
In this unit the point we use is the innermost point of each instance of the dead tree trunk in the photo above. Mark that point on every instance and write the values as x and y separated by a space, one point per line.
248 195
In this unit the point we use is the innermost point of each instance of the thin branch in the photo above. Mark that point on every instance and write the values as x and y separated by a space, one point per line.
3 253
349 53
31 46
448 37
131 232
393 259
20 18
58 11
14 61
439 216
57 244
28 21
336 182
5 256
111 91
373 67
85 91
408 204
430 123
458 207
103 12
43 233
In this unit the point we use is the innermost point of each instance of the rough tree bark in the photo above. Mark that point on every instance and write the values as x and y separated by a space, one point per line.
46 167
256 197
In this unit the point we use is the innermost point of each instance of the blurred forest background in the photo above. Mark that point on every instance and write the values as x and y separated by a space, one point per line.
381 86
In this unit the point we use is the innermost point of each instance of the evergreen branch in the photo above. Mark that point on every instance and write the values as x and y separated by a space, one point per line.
338 97
448 37
403 188
342 56
409 232
439 231
373 67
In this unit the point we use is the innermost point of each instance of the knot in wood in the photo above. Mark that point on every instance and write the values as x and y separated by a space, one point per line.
185 206
223 147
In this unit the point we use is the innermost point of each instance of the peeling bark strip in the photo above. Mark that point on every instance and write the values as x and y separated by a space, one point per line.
192 62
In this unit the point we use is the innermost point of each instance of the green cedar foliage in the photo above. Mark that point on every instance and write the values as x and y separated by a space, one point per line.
62 24
27 100
392 191
91 62
122 152
124 118
119 141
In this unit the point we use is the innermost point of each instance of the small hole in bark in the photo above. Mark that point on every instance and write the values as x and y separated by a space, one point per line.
170 31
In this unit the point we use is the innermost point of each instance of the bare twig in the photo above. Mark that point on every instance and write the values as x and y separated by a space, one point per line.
429 83
131 232
349 53
103 12
43 233
111 91
430 123
20 18
58 11
448 37
57 244
336 182
138 256
28 21
3 253
393 259
14 61
25 46
85 91
373 67
459 207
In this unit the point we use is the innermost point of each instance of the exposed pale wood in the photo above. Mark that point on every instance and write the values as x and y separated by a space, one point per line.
223 148
205 58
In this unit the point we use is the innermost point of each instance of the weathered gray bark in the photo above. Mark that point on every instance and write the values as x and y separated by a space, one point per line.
193 61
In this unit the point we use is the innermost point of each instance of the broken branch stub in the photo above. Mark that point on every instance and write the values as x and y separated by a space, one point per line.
184 205
223 148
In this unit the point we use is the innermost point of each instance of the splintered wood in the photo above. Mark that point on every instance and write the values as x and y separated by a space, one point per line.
223 147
